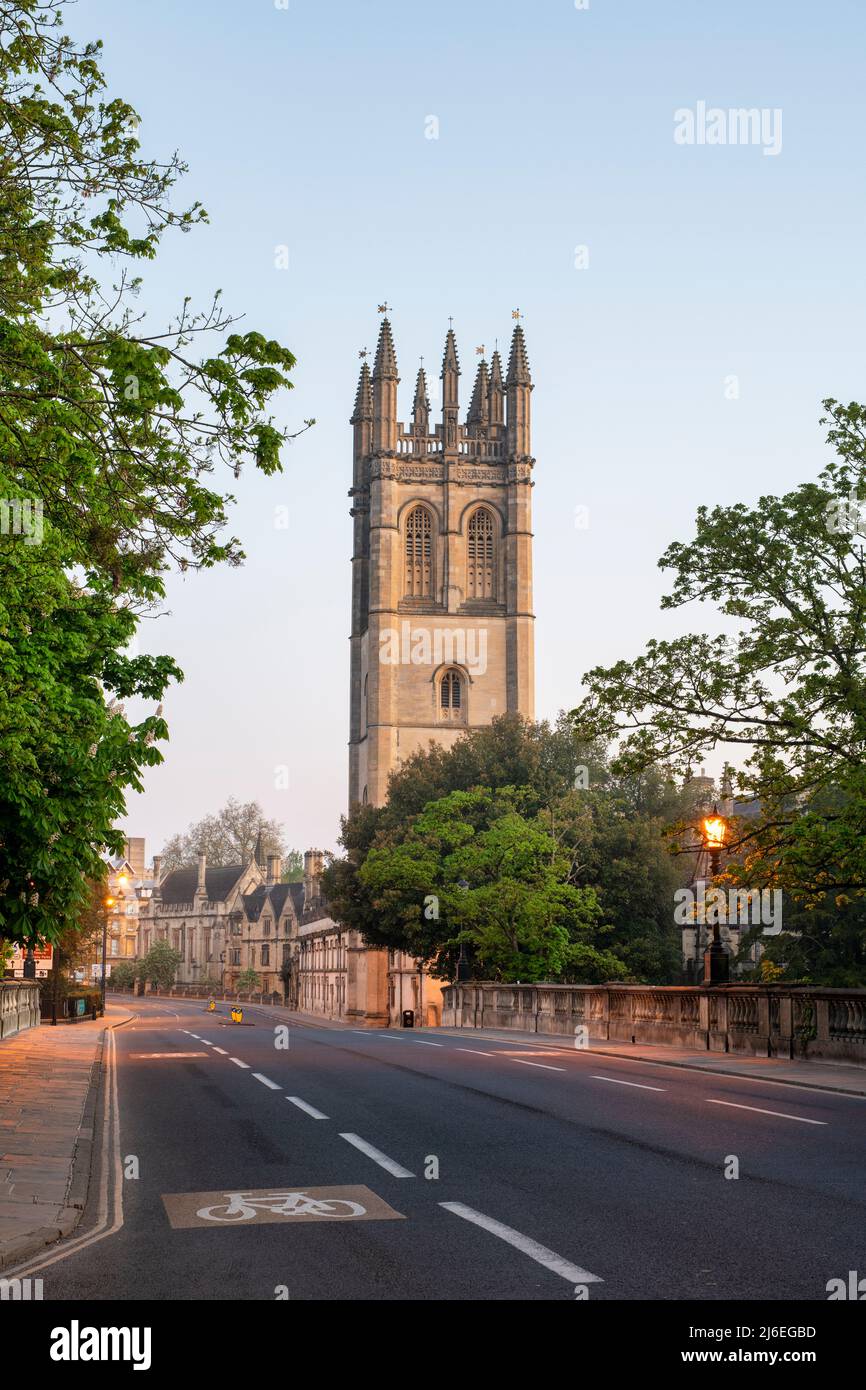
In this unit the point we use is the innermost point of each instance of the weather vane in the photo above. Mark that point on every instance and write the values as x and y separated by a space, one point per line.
384 308
480 350
516 314
363 352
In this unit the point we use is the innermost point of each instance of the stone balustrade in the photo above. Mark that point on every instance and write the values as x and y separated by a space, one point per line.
19 1006
756 1020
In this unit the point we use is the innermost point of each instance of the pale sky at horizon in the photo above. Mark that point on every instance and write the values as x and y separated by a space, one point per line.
307 128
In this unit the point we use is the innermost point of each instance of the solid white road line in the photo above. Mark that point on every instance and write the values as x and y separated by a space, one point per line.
266 1081
544 1067
779 1113
616 1081
475 1052
221 1050
396 1169
540 1253
238 1063
307 1109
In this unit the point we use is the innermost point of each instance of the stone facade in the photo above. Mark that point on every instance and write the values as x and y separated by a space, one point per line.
442 624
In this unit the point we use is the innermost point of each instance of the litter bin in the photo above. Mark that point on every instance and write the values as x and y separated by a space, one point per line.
408 1018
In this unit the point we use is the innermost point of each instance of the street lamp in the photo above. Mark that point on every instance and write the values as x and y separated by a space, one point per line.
714 830
464 969
109 903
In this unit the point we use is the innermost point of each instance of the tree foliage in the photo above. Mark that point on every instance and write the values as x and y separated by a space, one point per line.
112 428
567 872
786 692
159 966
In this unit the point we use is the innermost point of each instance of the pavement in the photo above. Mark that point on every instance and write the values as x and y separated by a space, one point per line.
46 1103
292 1159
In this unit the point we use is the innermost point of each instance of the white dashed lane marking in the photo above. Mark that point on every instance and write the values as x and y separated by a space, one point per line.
266 1081
395 1169
540 1253
780 1114
616 1081
238 1063
544 1066
307 1109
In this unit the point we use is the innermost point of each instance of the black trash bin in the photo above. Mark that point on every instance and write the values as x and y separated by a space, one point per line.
408 1018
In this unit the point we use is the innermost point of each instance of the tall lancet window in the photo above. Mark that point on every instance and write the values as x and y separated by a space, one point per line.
419 553
451 700
480 556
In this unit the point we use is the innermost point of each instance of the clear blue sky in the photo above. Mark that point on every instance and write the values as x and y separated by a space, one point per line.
306 127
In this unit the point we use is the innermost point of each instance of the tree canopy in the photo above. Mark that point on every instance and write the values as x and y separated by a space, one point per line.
112 428
518 844
227 837
785 692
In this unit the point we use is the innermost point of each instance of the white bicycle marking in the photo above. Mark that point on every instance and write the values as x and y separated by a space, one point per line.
243 1207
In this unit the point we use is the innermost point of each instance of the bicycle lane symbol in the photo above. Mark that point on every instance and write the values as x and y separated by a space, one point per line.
241 1207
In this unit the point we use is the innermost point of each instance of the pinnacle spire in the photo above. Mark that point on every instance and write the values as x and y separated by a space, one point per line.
518 362
386 359
450 361
421 407
259 851
479 406
496 391
363 397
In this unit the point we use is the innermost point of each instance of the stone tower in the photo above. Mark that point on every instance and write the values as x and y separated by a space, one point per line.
442 621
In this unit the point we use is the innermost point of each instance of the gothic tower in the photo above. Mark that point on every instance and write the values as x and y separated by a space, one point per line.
442 622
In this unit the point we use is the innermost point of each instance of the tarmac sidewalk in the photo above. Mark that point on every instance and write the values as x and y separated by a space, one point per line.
47 1104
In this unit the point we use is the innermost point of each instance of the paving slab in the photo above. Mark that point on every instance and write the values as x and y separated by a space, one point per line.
46 1076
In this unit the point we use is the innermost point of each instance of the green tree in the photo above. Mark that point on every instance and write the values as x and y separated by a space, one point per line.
494 881
609 832
159 966
293 866
786 689
248 981
124 973
111 429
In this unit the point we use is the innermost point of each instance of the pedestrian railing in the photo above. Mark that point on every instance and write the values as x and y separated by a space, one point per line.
19 1006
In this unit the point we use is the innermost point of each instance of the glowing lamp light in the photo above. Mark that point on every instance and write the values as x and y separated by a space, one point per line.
714 832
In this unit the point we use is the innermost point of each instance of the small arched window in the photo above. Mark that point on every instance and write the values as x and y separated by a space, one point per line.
419 553
451 701
480 556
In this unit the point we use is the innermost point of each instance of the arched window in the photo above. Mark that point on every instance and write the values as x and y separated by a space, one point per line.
419 553
451 701
480 556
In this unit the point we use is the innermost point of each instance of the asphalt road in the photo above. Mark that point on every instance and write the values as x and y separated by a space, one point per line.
487 1170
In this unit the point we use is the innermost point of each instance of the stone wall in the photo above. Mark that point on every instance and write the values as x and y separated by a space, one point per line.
758 1021
19 1006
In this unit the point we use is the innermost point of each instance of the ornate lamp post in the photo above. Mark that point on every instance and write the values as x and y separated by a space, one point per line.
714 831
464 969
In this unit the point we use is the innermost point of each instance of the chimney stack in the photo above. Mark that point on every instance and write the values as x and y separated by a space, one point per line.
201 886
135 855
157 874
313 863
275 868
